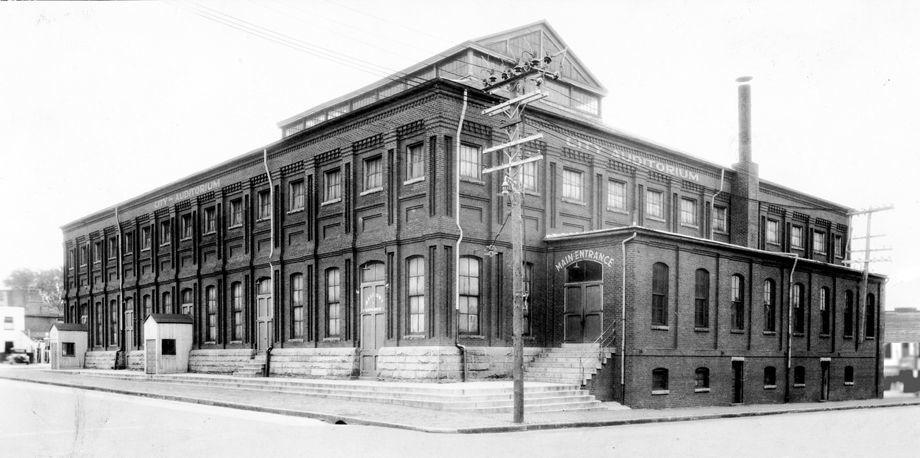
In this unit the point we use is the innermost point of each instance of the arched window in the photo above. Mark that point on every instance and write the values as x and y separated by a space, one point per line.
236 315
798 308
100 324
659 381
870 315
702 378
769 305
737 296
798 376
769 377
188 301
166 303
848 375
701 300
469 295
113 322
297 306
848 314
582 271
528 287
824 305
659 294
416 268
333 303
210 294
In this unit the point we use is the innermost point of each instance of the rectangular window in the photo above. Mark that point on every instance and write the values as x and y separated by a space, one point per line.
297 306
165 233
333 185
795 238
236 317
145 238
737 298
838 246
71 262
720 219
415 162
168 347
416 295
8 323
701 295
210 218
773 231
654 204
296 201
186 226
573 185
333 304
819 243
129 243
469 295
236 212
529 176
616 195
660 294
113 322
97 252
688 212
113 247
373 173
68 349
265 205
470 164
211 299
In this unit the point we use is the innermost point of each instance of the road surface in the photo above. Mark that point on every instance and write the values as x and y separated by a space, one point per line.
41 420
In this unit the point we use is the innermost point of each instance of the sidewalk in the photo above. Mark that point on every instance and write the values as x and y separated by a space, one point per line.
394 416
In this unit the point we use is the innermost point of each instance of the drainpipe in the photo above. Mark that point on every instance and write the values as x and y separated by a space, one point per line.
271 251
460 347
713 204
121 287
623 322
795 261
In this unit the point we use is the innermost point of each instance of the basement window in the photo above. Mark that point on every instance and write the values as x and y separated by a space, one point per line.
168 347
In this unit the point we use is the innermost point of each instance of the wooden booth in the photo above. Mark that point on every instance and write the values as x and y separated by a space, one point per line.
167 343
68 345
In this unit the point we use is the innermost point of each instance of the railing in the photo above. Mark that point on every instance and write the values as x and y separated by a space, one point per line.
605 338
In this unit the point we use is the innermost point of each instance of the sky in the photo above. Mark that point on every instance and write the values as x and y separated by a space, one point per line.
100 102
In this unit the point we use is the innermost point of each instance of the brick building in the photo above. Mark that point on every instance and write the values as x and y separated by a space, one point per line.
671 272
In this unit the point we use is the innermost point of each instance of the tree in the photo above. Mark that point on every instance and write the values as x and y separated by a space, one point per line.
47 283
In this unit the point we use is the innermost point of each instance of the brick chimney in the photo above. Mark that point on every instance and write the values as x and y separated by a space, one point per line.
746 188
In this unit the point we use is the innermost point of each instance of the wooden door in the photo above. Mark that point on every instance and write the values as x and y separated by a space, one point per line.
373 317
738 379
583 311
264 315
825 380
129 330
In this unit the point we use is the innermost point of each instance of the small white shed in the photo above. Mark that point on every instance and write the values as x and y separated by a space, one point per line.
68 345
167 343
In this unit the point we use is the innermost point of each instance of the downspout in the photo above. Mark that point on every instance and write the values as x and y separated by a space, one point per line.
789 329
121 289
623 321
713 204
271 252
460 347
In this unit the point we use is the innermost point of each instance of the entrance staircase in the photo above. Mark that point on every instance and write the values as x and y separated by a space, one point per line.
492 397
571 364
254 368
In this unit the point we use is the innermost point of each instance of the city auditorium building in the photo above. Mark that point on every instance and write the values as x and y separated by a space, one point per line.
341 258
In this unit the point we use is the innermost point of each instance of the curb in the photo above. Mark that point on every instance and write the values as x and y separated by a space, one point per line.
338 419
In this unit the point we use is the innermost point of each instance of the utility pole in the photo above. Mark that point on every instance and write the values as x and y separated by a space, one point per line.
512 186
867 258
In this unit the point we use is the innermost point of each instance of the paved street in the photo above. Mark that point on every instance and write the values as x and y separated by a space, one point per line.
39 420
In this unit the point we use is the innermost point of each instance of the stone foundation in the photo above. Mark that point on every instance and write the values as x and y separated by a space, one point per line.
220 361
339 362
100 360
136 360
442 363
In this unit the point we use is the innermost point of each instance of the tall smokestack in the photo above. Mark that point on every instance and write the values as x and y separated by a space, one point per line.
744 119
746 184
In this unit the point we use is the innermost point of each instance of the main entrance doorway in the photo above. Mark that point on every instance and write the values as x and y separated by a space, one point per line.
373 318
738 382
129 326
583 312
825 379
264 314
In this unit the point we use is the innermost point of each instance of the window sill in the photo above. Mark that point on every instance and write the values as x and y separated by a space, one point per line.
798 334
798 385
848 337
235 342
142 250
164 244
210 342
701 390
720 231
296 210
472 336
413 180
772 243
823 253
183 239
263 219
848 383
660 392
655 218
533 192
332 339
769 333
769 387
700 329
737 331
824 336
472 180
371 191
658 327
298 340
574 202
209 233
235 226
870 337
617 210
331 201
689 226
415 336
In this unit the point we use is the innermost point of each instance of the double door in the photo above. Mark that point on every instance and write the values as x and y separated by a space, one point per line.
583 311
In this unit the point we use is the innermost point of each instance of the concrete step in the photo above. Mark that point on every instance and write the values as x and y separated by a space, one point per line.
560 407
